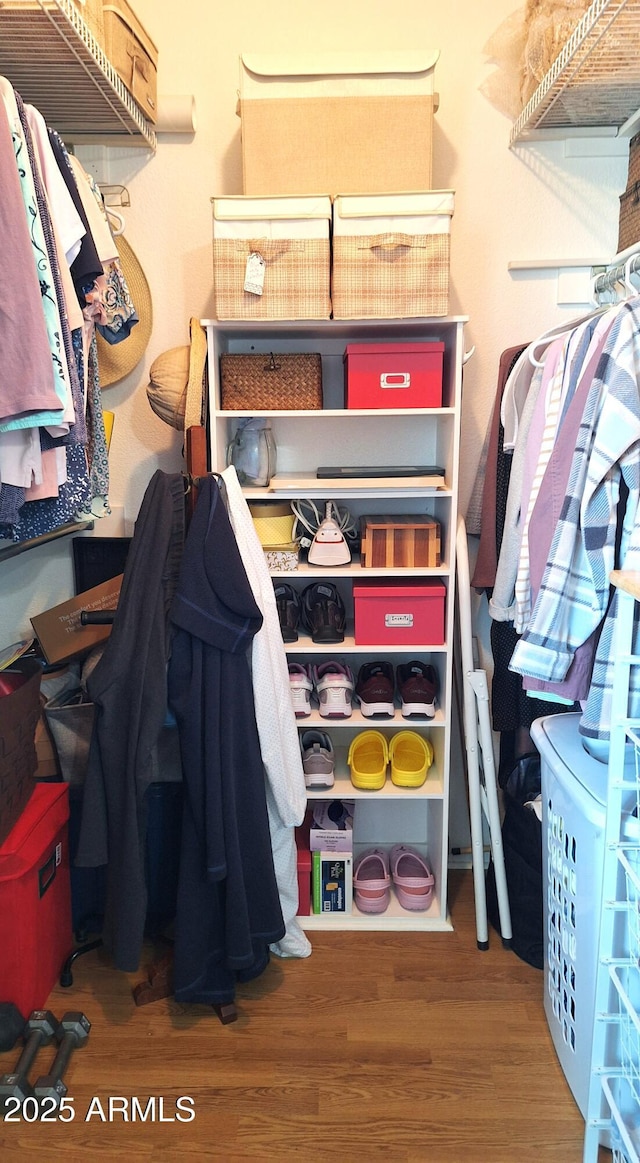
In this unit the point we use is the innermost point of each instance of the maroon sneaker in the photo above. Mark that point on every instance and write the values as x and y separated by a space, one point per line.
417 684
374 689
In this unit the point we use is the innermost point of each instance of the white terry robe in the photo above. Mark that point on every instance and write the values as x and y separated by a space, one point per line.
277 731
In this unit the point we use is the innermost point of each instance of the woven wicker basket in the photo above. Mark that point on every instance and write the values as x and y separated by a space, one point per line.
268 382
19 714
629 222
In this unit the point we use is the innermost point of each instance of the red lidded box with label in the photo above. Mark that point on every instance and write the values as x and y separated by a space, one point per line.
35 899
393 375
395 615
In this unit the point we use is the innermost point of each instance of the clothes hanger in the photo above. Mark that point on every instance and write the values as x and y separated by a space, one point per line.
560 330
116 221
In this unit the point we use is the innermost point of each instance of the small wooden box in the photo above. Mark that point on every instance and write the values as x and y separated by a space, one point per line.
399 541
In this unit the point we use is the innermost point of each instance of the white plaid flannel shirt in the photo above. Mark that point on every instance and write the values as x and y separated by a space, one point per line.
574 595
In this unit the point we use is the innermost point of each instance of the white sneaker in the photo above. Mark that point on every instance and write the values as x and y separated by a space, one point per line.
300 685
318 760
334 689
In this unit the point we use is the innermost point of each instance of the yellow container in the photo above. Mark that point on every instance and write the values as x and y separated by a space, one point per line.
274 523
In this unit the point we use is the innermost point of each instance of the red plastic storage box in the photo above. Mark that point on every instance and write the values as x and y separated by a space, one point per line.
398 615
393 375
304 866
35 899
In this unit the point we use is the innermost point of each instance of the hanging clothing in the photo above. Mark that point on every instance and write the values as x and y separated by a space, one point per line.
228 909
493 485
129 689
512 710
574 594
56 419
279 741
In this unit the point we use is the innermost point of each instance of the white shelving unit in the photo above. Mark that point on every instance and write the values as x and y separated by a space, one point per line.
594 82
614 1091
52 58
335 435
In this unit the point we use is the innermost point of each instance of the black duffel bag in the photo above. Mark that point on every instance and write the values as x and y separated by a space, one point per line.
522 845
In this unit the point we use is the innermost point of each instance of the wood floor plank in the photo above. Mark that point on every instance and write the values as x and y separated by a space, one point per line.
402 1047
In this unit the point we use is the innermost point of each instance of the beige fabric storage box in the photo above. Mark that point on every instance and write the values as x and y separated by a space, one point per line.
133 55
340 122
89 10
289 241
391 255
92 14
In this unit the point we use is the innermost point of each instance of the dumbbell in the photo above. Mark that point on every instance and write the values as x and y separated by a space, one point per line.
12 1025
41 1029
75 1031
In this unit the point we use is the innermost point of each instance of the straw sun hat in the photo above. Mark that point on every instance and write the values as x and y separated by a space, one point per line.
116 360
175 390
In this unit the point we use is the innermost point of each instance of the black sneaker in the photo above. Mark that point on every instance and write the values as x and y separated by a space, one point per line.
322 612
288 603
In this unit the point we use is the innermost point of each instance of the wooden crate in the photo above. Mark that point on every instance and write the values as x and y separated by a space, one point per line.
399 541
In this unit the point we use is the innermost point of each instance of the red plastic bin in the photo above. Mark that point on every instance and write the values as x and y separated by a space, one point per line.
35 899
399 615
393 375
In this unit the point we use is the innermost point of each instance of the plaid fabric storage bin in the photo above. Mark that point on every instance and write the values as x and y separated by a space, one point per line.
286 242
391 255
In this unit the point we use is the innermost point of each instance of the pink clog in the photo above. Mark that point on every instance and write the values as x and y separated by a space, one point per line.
412 878
372 881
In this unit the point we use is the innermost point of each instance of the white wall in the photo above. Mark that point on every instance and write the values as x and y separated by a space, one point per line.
529 202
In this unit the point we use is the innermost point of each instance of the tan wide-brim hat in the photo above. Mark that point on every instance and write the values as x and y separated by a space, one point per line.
176 390
117 360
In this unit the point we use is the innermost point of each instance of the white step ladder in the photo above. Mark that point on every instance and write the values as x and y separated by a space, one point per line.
481 771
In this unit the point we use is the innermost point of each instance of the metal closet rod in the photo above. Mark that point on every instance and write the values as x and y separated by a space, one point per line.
617 273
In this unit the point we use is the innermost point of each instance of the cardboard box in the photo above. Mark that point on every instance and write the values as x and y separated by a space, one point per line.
332 882
391 255
48 767
325 834
277 246
59 631
393 375
402 541
398 615
338 122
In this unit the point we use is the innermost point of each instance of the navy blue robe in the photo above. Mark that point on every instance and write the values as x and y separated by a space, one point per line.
228 910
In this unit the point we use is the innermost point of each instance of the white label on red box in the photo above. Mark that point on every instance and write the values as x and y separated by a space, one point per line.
398 619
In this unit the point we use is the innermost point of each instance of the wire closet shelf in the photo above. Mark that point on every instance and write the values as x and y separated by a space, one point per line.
52 58
595 79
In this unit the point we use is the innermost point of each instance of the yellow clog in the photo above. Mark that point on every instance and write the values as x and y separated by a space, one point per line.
411 757
368 758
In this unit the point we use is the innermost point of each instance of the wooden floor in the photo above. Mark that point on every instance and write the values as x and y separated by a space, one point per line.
397 1047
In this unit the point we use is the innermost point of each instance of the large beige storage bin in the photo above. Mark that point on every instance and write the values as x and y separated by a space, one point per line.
290 236
340 122
133 55
391 255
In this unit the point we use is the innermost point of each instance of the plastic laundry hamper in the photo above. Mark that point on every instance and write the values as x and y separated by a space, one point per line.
574 787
